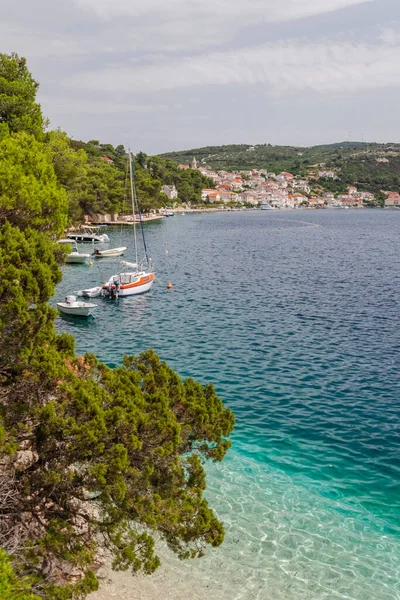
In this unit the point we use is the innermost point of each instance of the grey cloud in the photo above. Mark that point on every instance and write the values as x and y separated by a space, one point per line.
284 67
186 73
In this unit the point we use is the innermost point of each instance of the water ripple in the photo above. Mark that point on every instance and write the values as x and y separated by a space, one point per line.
297 323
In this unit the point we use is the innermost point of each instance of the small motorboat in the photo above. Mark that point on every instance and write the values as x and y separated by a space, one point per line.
88 234
72 307
93 292
76 257
111 253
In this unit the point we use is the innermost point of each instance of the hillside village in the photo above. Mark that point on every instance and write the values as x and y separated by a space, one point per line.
258 187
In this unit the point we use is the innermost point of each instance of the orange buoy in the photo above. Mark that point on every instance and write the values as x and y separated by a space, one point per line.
169 286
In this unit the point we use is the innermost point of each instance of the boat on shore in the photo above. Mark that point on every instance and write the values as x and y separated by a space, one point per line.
77 309
266 206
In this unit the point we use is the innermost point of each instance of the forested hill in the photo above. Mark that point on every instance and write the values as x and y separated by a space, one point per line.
278 158
95 177
372 166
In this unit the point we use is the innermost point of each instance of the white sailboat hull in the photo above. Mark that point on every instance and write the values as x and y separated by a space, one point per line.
141 289
128 284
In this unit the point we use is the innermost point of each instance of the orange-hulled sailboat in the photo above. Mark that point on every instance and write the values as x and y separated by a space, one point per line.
135 278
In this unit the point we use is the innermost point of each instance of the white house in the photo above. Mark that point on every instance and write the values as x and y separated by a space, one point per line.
170 191
227 196
393 199
326 175
250 198
284 177
301 185
206 192
213 196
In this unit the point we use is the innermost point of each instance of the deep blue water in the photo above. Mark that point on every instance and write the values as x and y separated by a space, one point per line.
295 318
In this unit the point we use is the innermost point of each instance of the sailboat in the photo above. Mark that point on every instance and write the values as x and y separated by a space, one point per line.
138 277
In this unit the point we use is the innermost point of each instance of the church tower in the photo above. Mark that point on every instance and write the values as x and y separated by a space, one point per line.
194 163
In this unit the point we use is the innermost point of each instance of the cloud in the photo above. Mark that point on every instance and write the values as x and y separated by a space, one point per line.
254 10
109 27
80 106
197 24
291 66
390 36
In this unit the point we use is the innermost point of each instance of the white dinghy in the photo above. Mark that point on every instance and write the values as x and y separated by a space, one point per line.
72 307
111 253
76 257
90 292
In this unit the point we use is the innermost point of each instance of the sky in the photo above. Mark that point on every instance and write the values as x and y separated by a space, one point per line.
159 75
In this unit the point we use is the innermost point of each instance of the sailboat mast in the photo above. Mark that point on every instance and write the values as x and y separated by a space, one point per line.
133 207
140 218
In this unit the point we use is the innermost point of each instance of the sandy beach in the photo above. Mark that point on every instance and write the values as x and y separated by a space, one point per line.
173 580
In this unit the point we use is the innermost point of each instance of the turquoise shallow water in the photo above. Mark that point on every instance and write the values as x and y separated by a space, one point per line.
295 318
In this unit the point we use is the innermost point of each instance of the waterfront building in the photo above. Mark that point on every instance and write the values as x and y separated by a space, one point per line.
393 199
170 191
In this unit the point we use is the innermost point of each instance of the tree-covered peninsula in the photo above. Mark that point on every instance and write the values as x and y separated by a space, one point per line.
95 463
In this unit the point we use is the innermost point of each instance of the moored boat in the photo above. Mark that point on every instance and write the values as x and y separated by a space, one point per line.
88 234
78 309
128 284
93 292
139 278
76 257
111 253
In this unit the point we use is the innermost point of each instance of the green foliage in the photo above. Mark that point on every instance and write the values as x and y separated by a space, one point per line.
93 185
71 167
11 586
372 176
28 275
188 182
103 190
30 195
18 109
245 157
337 186
104 187
355 163
114 455
91 458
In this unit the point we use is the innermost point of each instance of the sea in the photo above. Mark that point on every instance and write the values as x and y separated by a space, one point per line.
294 316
